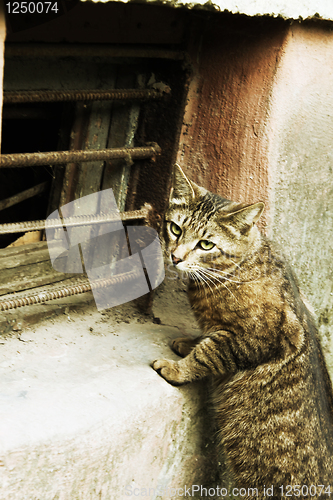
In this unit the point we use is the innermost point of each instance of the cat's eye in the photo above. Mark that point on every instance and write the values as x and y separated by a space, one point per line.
176 230
206 245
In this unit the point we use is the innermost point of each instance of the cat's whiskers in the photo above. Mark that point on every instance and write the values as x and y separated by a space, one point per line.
219 278
207 274
198 280
194 277
205 280
219 271
223 275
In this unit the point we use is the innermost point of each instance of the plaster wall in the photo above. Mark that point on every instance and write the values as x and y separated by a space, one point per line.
224 145
301 166
259 126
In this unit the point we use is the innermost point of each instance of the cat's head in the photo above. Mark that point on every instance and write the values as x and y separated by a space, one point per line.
202 230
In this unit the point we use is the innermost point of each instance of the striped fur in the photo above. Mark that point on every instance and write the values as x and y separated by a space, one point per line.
259 346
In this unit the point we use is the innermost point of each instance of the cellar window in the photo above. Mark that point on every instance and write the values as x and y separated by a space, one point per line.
78 119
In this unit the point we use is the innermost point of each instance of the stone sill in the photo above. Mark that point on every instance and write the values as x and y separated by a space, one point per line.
84 416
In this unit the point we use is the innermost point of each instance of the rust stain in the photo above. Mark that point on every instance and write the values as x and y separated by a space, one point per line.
224 144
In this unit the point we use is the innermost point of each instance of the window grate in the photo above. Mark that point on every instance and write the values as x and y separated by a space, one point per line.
83 220
117 128
74 287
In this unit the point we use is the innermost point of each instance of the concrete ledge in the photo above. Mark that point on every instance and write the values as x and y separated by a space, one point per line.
83 416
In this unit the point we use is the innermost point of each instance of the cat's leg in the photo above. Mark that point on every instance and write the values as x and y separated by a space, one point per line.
211 356
184 345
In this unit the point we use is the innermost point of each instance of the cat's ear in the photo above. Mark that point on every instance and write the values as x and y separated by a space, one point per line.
182 187
245 217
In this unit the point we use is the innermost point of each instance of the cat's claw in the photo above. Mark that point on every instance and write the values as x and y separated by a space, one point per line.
169 370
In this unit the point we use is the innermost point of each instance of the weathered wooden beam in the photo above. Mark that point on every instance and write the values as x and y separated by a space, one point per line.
24 195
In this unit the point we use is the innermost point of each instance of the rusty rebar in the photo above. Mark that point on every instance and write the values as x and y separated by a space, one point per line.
76 288
15 97
80 220
58 157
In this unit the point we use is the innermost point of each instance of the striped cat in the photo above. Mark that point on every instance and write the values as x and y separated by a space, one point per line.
259 346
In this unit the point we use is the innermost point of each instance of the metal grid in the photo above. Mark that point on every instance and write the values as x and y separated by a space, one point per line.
129 154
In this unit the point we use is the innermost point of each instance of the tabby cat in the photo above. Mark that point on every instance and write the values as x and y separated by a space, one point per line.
271 391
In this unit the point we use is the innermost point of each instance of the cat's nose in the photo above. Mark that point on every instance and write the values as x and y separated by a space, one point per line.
175 260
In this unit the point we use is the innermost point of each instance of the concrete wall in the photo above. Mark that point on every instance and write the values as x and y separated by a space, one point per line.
300 132
259 126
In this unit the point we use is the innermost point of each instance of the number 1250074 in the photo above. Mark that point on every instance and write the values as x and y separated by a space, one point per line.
32 7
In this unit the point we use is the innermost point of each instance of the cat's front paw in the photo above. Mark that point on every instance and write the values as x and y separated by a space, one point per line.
169 370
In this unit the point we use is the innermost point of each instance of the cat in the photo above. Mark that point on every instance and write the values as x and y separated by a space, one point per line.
271 392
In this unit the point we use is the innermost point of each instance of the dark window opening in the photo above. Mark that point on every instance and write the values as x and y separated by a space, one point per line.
27 129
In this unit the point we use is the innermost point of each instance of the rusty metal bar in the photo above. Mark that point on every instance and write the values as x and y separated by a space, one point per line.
24 195
50 50
38 225
76 288
58 157
15 97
